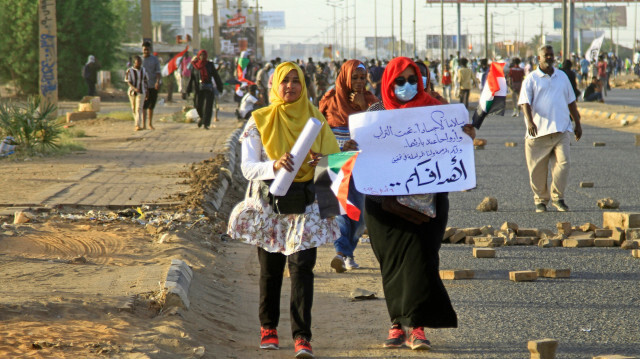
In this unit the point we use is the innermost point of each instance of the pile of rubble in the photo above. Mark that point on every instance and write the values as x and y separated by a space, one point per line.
619 229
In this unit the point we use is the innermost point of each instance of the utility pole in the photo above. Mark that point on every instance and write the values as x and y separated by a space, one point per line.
393 38
147 33
459 49
48 64
493 40
635 28
611 31
572 25
415 47
400 25
354 30
442 32
216 29
195 39
259 36
346 27
564 30
486 29
375 25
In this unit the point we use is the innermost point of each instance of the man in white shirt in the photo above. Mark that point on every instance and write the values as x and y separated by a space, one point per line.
549 104
248 102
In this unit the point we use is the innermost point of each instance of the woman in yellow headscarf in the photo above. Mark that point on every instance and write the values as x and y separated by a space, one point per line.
292 229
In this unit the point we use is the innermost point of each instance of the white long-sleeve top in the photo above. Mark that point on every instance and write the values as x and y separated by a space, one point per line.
255 165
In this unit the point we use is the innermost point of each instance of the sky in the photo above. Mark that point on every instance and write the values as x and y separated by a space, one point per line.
311 21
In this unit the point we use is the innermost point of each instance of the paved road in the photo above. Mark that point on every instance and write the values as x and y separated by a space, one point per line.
630 97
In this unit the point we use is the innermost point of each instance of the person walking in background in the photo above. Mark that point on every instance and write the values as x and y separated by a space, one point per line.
406 251
549 106
584 69
446 83
466 81
137 79
183 74
348 97
514 78
90 74
262 80
290 236
602 74
567 68
151 66
207 82
375 77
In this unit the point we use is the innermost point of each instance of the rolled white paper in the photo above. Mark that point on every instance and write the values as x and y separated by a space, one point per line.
284 178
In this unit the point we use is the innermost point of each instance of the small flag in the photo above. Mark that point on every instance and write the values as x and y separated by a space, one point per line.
493 96
172 64
335 189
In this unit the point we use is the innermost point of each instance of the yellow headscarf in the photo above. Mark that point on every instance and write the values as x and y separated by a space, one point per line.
281 123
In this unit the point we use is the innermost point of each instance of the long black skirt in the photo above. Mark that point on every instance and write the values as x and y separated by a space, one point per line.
409 262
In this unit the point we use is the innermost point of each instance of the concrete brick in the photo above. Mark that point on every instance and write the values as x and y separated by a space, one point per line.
549 243
608 203
575 242
471 231
527 232
635 253
457 274
89 103
479 142
579 234
509 225
618 235
546 233
623 220
526 241
458 236
487 230
523 276
627 245
484 252
543 349
564 228
450 231
85 115
469 240
488 241
604 242
603 233
586 184
588 227
599 144
632 234
510 144
613 356
553 272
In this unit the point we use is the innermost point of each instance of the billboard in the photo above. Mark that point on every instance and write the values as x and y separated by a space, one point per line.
450 41
591 17
384 42
272 19
235 39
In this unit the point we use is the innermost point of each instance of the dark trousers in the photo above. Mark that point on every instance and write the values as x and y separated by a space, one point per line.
464 97
204 106
92 87
301 270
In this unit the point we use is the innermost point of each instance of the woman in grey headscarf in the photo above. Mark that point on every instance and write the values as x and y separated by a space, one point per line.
90 74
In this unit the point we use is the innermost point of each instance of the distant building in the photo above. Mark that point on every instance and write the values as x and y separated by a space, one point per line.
167 11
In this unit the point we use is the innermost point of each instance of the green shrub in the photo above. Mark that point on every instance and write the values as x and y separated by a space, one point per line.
31 124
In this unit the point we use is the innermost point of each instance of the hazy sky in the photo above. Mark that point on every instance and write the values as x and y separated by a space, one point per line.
311 21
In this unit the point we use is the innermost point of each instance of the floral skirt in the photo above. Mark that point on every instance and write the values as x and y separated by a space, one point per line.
254 222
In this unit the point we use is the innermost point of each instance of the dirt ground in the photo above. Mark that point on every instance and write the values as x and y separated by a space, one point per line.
88 285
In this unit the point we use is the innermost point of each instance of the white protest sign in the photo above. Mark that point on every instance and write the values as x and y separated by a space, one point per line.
413 151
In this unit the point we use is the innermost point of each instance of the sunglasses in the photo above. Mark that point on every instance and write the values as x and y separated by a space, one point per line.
400 81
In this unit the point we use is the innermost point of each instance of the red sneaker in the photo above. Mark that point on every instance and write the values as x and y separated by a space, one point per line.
396 337
417 340
303 348
269 339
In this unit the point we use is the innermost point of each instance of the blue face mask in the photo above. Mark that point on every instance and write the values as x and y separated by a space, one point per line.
406 92
424 81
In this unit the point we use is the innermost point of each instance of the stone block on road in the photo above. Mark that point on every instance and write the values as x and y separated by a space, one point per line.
543 349
509 225
488 241
523 276
603 233
564 228
604 242
488 204
577 242
586 184
635 253
458 236
84 115
528 232
457 274
608 203
623 220
484 252
549 243
632 234
553 272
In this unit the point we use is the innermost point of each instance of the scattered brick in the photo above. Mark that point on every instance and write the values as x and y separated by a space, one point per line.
553 272
478 147
523 276
479 142
608 203
603 233
588 227
635 253
488 241
488 204
604 242
510 144
632 233
549 242
469 240
488 230
509 225
613 356
586 184
577 242
450 231
484 252
457 274
527 232
471 231
627 245
599 144
623 220
618 235
564 228
542 349
458 236
546 233
579 234
525 241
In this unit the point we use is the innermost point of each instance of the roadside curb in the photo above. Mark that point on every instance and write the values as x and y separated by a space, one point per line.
177 284
623 118
230 153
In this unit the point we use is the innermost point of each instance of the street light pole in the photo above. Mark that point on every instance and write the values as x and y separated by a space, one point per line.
393 38
375 25
415 44
442 32
354 30
401 45
486 29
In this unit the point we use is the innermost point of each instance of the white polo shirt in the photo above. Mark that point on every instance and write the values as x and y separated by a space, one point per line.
549 97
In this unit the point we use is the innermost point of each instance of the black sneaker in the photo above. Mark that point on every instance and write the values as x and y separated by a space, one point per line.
560 205
541 207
